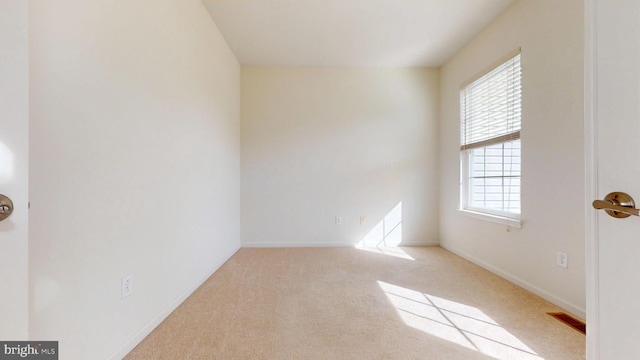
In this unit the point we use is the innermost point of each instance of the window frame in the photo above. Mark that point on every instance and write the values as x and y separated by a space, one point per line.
466 152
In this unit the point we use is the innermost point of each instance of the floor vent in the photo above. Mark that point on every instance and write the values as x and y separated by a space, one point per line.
571 321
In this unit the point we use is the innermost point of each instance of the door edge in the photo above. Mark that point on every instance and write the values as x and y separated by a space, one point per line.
591 178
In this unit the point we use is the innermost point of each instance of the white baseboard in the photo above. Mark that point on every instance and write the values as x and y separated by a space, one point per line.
566 306
419 244
285 244
153 323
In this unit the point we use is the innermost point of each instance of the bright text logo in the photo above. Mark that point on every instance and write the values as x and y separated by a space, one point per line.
31 350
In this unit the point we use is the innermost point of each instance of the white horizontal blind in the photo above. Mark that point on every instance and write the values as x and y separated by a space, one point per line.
490 140
492 107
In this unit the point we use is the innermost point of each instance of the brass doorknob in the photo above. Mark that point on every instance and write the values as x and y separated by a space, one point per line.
618 205
6 207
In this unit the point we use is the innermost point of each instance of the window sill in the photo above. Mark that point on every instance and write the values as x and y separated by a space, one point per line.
510 222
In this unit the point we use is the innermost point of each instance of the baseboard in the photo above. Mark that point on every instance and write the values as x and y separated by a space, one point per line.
568 307
419 243
153 323
285 244
294 244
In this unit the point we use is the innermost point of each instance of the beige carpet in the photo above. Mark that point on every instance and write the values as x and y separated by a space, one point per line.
347 303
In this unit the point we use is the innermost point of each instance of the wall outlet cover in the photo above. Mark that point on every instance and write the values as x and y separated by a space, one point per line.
562 259
127 286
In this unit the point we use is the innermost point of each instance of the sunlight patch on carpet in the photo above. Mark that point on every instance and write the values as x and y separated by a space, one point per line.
461 324
389 251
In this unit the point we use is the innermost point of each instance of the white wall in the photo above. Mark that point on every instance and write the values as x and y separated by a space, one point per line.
550 34
324 142
135 164
14 160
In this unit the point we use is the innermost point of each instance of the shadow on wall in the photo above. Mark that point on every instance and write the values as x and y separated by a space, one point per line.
386 236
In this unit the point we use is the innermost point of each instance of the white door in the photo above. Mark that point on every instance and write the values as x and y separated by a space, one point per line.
613 153
14 165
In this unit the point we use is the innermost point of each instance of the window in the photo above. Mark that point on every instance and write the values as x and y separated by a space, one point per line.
490 141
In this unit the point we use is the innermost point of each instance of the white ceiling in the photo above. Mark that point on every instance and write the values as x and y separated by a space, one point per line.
389 33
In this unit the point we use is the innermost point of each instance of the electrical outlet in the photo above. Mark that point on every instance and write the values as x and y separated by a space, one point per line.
127 285
562 259
363 220
338 220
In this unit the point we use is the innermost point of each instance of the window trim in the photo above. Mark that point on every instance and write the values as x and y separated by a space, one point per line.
499 219
502 217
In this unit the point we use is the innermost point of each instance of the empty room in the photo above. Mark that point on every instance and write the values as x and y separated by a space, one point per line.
319 179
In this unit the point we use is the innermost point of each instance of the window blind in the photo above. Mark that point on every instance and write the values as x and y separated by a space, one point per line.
492 107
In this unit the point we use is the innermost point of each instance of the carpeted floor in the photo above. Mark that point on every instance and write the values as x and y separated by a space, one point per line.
347 303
